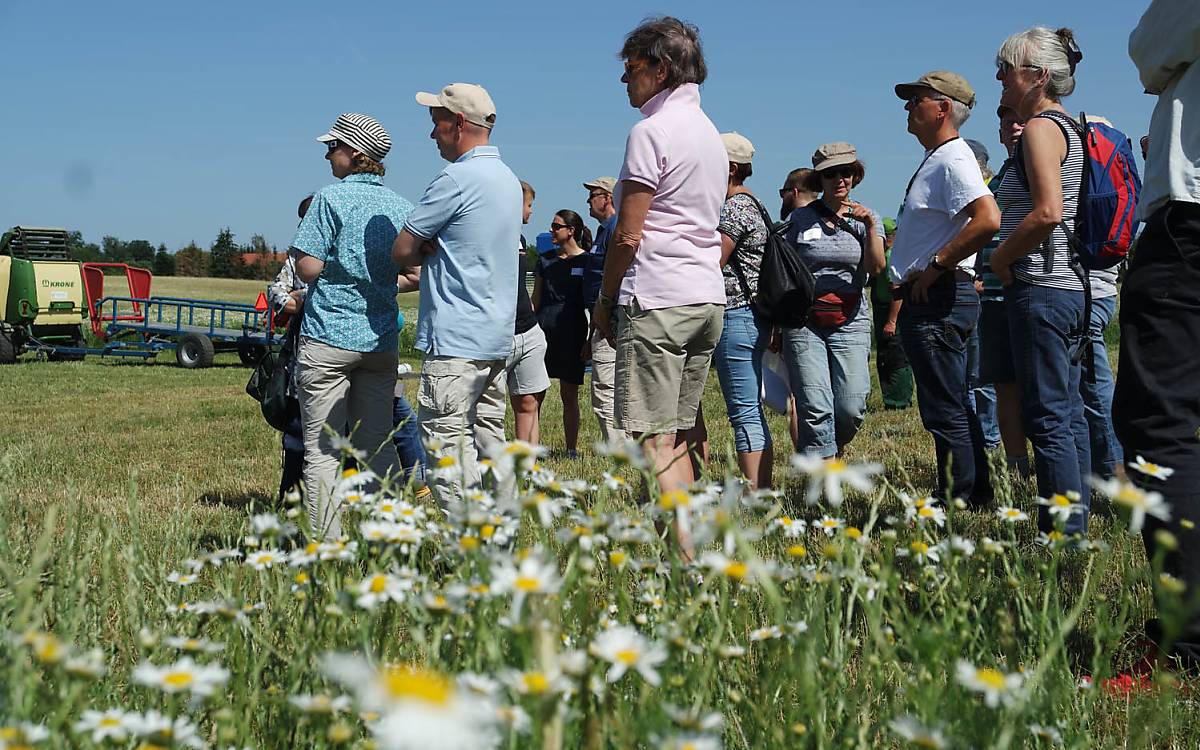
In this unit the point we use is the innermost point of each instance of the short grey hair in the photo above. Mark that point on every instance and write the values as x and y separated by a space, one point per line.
669 42
1048 50
959 112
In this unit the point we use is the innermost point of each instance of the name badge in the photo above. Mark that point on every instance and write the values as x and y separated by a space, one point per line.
576 271
811 234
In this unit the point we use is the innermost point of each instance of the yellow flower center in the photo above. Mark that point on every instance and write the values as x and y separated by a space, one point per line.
736 570
797 550
919 547
854 532
48 649
378 584
349 473
488 531
628 657
178 680
1131 496
926 512
469 542
536 682
301 578
408 683
108 721
616 557
990 678
527 584
835 466
674 499
445 462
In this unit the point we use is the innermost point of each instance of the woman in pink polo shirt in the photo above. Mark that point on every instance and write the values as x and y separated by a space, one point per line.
663 270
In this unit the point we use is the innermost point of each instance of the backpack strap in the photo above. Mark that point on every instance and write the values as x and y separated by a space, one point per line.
859 276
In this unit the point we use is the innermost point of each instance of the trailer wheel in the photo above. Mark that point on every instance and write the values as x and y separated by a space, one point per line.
77 341
8 352
194 350
250 353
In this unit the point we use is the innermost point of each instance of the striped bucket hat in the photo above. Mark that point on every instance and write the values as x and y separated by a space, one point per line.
361 132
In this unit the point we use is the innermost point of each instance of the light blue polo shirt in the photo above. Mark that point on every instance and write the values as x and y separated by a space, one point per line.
351 226
472 210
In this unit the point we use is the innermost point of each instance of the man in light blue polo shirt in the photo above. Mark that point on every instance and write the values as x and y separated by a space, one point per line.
462 234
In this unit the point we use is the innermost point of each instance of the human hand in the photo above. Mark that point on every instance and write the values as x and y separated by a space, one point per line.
1002 268
889 328
602 321
428 247
776 342
859 212
924 280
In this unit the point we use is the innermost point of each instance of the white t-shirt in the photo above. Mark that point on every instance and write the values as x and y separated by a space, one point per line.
932 215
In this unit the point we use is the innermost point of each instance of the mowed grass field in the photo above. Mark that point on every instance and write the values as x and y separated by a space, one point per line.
171 461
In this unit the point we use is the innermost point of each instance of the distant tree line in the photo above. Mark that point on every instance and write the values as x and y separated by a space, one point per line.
225 258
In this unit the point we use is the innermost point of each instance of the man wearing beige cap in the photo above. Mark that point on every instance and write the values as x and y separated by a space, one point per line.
948 215
602 354
462 234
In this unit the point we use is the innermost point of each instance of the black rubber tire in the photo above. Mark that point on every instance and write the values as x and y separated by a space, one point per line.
194 350
250 353
8 352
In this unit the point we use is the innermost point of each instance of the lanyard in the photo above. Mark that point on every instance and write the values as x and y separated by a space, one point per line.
927 156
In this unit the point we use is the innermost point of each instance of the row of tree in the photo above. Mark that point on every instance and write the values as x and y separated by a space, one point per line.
225 258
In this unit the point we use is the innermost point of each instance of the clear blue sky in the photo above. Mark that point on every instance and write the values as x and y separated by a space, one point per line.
166 121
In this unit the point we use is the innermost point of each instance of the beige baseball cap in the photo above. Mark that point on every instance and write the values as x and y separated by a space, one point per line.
738 146
942 81
467 99
834 155
606 183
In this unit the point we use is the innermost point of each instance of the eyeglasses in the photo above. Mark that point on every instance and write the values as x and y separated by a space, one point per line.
634 66
916 99
1005 68
333 145
838 173
556 227
594 196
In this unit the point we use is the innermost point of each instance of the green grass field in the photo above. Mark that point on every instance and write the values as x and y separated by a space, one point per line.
112 473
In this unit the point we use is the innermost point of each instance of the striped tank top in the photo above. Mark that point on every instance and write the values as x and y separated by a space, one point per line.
1050 264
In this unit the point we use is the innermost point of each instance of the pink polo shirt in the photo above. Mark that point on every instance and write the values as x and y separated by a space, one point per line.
677 151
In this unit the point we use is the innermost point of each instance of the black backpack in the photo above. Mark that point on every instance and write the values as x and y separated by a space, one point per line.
786 288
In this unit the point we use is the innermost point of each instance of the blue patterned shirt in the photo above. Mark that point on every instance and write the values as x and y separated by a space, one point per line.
351 226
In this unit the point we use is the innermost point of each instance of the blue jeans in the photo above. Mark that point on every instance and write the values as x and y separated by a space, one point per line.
830 376
935 339
738 361
1098 396
407 439
982 395
1045 325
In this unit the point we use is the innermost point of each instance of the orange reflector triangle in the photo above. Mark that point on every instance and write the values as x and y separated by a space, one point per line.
260 304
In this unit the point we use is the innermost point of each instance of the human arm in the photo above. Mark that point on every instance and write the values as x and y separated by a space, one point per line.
873 251
409 250
1044 147
889 326
1165 42
535 299
635 204
984 222
416 241
409 279
727 247
308 268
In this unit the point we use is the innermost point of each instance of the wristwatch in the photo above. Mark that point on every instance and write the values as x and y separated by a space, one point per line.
605 300
937 266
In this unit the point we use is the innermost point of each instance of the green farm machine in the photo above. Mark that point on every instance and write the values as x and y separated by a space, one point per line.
41 293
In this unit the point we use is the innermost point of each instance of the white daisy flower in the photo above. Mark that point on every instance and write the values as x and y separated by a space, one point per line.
1150 469
770 632
194 645
184 675
381 587
103 725
182 579
791 527
265 558
911 729
1011 514
996 686
626 648
691 742
1062 505
829 525
321 704
163 731
623 452
23 734
531 577
829 474
1140 503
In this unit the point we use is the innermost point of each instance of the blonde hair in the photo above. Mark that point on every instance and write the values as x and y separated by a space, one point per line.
364 164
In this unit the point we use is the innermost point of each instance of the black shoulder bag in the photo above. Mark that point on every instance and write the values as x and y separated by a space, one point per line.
785 285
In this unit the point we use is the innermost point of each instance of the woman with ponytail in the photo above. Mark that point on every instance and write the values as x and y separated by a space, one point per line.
1043 290
558 300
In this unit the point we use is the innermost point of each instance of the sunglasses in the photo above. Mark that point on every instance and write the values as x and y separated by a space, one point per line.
1006 68
634 66
556 227
594 196
333 145
785 192
838 173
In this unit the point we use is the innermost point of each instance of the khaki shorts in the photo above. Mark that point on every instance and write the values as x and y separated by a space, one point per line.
526 364
662 363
